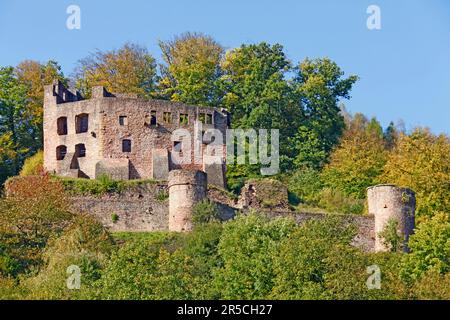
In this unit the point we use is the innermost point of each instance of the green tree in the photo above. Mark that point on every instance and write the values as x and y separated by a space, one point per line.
84 243
166 267
14 123
248 246
258 96
349 275
130 69
8 157
300 261
306 183
390 136
191 69
319 85
130 272
256 92
204 212
430 248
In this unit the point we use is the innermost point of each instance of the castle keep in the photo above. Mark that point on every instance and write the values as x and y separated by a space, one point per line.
124 137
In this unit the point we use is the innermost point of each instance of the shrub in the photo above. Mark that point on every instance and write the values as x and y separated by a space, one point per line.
132 271
97 187
390 236
432 286
8 265
336 201
247 247
348 272
9 289
306 184
114 217
205 211
124 237
430 248
162 195
106 184
35 210
85 244
33 165
300 261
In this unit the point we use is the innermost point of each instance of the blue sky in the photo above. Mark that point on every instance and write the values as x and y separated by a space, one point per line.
404 67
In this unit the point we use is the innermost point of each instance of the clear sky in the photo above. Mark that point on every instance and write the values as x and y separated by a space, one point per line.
404 67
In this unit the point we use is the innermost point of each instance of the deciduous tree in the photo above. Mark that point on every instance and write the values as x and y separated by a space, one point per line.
191 69
421 162
130 69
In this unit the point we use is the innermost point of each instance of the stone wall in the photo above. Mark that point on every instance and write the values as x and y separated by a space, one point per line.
142 208
145 126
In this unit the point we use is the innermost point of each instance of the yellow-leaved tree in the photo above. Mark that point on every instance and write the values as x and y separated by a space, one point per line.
130 69
359 159
191 69
421 161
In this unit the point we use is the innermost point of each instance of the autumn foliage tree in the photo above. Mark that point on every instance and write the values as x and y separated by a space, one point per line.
191 69
34 76
421 162
35 210
129 69
359 159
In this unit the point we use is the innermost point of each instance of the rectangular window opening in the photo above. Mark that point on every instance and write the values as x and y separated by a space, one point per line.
123 120
153 118
167 117
184 119
126 145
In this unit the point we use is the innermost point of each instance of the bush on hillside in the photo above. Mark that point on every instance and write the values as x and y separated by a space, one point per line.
33 165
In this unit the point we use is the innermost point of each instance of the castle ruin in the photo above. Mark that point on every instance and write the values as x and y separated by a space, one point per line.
124 137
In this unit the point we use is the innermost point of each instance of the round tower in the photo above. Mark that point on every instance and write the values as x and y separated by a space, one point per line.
389 202
186 188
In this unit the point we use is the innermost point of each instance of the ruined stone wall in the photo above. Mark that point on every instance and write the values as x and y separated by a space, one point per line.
140 208
70 109
145 137
112 119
